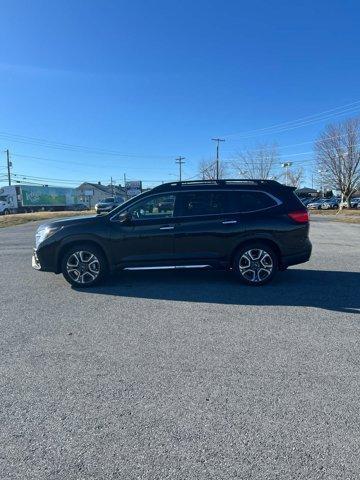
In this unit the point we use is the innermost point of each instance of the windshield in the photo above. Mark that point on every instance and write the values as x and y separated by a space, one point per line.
108 200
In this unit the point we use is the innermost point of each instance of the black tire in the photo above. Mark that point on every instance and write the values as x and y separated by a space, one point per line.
84 265
263 265
6 212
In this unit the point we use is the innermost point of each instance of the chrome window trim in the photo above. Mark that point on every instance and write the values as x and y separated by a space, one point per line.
276 200
160 194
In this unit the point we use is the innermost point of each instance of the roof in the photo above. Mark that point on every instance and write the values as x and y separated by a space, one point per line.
103 188
306 190
224 183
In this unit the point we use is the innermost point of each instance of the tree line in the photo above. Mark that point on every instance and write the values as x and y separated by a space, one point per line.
336 153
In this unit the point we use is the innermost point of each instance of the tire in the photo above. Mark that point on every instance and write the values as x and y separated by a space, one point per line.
6 212
261 258
84 265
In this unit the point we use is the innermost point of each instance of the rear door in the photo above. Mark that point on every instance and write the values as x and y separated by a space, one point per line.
205 227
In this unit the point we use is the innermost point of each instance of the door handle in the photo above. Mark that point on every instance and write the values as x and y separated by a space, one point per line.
168 227
228 222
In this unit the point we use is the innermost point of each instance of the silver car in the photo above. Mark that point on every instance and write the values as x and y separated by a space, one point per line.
316 204
108 204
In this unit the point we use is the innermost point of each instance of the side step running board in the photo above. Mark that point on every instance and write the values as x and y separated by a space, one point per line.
170 267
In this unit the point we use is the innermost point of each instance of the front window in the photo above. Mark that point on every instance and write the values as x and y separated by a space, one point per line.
160 206
108 200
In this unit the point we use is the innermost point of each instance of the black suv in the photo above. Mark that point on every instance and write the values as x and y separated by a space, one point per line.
254 227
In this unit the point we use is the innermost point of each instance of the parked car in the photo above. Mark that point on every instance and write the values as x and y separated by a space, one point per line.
344 204
315 204
252 227
355 202
80 207
305 201
330 204
108 204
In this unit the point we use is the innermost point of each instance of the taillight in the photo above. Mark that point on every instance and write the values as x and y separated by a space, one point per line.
299 217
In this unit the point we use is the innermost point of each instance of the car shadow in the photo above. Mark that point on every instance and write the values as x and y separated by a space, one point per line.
329 290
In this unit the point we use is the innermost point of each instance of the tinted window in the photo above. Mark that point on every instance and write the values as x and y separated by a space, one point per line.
203 203
249 201
153 207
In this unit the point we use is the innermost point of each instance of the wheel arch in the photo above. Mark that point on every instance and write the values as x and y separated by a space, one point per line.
250 241
70 244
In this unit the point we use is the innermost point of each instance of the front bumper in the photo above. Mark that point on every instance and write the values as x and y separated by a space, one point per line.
35 262
103 210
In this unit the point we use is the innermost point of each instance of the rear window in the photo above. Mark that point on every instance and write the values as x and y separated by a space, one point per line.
240 201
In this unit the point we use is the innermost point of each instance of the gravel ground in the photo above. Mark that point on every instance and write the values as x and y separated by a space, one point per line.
182 374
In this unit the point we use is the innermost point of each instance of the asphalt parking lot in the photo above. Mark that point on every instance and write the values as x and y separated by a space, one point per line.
182 374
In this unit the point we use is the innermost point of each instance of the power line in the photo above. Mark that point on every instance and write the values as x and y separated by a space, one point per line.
73 147
103 182
86 164
300 122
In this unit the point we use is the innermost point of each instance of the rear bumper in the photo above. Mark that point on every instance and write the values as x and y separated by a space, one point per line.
297 258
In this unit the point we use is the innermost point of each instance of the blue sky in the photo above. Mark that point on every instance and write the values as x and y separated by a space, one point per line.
141 82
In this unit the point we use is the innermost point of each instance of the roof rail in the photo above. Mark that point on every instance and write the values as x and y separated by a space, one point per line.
226 181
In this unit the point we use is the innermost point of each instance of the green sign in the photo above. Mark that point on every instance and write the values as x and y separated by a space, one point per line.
47 196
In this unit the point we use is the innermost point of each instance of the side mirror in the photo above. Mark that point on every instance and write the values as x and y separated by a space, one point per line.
125 218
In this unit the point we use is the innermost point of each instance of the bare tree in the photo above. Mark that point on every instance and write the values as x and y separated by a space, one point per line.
338 156
257 163
207 169
295 177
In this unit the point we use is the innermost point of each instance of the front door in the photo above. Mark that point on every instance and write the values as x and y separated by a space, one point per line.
148 239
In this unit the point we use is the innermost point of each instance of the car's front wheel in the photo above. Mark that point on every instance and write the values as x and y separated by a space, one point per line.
84 266
255 264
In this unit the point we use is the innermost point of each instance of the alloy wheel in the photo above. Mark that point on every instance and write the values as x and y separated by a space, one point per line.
256 265
83 267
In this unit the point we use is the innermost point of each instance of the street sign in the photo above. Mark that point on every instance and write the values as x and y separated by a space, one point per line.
133 188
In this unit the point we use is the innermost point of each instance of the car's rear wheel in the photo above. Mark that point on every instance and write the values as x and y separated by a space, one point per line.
255 264
84 266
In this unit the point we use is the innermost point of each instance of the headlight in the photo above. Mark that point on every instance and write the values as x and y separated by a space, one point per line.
43 232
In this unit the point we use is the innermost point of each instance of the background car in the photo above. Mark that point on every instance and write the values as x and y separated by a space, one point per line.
355 202
108 204
79 207
330 204
316 204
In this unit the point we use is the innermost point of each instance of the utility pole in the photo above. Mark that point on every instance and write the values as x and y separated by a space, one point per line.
112 186
286 165
180 162
217 140
125 186
8 166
